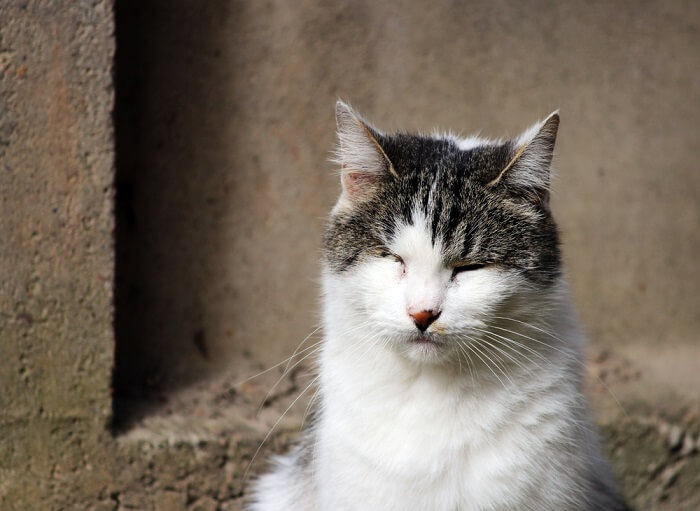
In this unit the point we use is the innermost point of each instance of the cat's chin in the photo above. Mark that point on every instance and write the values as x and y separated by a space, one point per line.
423 338
425 348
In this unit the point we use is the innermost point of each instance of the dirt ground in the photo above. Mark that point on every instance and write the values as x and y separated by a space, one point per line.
653 443
194 450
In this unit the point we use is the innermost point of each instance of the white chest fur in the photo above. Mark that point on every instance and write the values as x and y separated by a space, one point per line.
397 436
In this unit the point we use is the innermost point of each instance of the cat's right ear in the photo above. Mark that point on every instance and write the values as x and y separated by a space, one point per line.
363 162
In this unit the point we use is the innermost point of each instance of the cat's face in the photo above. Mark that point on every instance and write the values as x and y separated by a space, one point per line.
434 237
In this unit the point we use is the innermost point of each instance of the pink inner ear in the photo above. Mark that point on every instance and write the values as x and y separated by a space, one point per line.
358 184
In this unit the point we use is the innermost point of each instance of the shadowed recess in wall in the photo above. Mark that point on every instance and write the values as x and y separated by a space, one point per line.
166 230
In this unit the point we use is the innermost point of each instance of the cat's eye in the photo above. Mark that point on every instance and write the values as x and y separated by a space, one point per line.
466 267
390 255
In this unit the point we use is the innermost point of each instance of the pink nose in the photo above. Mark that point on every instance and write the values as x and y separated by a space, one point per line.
423 319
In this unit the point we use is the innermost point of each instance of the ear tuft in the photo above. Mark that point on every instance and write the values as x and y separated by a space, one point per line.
528 171
363 162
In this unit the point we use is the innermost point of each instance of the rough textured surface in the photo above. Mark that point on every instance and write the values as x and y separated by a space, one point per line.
56 170
224 127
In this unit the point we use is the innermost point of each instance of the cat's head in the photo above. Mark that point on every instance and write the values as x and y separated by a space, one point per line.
434 236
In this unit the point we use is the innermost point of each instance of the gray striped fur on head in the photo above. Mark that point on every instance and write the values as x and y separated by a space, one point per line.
486 201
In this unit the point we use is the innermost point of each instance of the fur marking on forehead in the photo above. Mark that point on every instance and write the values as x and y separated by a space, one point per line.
475 200
414 243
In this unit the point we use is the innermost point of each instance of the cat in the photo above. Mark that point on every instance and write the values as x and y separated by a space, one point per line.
451 369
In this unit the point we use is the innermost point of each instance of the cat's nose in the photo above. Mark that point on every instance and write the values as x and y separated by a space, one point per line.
423 319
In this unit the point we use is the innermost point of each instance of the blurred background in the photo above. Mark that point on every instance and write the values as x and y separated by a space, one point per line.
164 183
225 126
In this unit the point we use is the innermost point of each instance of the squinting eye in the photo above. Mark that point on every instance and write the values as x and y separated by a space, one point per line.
390 255
466 267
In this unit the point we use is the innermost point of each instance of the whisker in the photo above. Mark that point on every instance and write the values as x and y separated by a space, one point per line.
500 365
496 336
513 346
285 373
250 464
530 325
469 364
308 407
275 366
302 343
476 352
467 359
533 339
550 334
510 357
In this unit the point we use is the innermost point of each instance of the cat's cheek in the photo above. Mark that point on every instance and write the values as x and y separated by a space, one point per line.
473 295
382 286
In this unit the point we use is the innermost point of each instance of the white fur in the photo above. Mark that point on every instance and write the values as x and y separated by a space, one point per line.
414 426
468 143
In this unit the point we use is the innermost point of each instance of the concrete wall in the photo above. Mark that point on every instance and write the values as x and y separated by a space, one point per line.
56 170
223 131
231 180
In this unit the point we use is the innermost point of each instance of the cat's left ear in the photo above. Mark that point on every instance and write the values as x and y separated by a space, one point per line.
528 171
